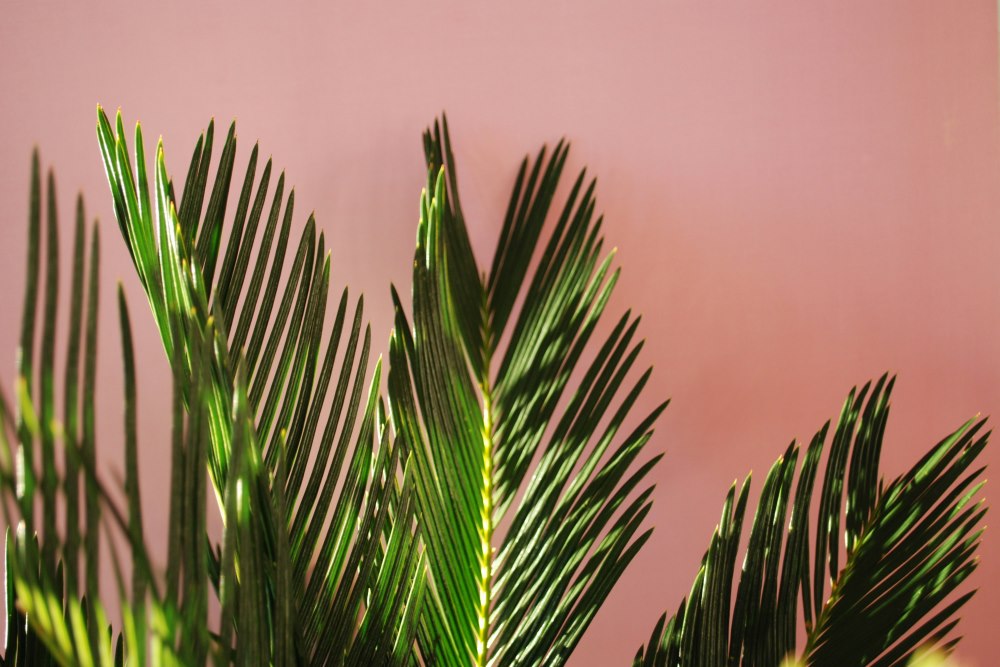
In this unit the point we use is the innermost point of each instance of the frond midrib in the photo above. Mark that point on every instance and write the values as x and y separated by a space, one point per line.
486 551
487 526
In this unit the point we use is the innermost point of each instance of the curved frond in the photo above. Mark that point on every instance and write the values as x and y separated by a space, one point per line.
44 568
477 389
910 544
326 508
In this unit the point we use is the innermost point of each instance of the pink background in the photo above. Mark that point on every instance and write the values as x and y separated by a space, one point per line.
803 194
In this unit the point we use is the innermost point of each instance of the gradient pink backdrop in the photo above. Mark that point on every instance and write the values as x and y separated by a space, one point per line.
803 195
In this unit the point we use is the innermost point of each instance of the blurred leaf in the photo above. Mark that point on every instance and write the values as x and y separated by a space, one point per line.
910 545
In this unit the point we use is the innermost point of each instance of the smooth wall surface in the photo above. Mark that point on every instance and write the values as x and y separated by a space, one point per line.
803 195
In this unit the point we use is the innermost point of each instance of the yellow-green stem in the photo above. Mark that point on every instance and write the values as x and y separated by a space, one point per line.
485 533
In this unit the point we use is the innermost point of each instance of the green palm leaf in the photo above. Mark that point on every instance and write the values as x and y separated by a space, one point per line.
51 626
475 387
35 553
48 623
321 560
909 545
340 537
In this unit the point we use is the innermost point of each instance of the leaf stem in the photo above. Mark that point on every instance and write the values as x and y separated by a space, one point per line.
485 531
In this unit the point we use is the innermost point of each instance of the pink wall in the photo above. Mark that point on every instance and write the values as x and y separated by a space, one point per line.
803 195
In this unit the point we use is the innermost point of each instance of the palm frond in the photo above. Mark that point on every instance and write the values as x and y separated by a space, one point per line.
910 544
48 621
414 534
474 413
55 627
309 523
34 551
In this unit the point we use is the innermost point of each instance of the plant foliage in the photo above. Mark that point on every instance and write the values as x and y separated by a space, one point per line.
909 544
475 413
478 512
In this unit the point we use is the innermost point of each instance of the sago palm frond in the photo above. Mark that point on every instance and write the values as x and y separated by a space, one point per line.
54 614
910 544
48 622
476 389
327 545
29 476
482 517
77 633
